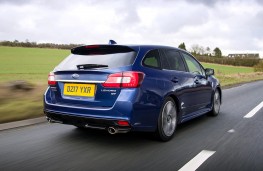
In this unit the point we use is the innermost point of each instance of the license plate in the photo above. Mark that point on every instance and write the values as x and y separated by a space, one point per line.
87 90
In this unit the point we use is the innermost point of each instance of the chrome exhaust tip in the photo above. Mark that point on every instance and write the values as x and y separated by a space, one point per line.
112 130
53 121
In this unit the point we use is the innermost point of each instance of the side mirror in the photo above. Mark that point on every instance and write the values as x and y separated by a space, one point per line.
209 72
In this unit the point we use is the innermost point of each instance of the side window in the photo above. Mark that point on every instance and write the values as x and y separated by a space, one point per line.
152 59
193 65
174 61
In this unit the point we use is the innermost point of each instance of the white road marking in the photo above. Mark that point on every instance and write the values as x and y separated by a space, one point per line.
197 160
231 131
254 111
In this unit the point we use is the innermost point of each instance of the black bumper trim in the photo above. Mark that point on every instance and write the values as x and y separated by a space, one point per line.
82 121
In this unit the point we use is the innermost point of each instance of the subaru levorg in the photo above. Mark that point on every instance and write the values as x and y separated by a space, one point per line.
122 88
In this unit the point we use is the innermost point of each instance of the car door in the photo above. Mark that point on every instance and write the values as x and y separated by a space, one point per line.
199 96
180 79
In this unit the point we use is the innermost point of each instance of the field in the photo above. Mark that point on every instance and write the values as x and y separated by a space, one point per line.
226 69
231 75
34 64
31 64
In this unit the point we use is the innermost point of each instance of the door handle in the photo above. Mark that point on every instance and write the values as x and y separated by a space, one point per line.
175 80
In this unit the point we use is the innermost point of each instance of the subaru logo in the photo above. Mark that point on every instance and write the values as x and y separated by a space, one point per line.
75 76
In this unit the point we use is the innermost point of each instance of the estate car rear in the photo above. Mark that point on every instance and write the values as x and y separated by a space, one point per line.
121 88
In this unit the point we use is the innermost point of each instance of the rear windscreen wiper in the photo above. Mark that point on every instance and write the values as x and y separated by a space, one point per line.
89 66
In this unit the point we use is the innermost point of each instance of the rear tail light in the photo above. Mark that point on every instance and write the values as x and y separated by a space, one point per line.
51 79
130 79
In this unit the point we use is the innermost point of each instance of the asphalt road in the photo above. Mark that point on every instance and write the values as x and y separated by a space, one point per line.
236 142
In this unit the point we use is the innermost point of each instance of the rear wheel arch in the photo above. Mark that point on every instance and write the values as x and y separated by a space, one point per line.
177 103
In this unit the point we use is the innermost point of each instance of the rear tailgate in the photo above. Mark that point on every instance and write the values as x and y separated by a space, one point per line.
86 91
82 86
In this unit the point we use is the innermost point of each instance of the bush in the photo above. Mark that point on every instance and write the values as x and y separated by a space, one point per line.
259 67
237 61
16 43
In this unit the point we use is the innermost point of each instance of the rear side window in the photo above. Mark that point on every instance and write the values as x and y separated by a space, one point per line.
104 58
173 61
152 59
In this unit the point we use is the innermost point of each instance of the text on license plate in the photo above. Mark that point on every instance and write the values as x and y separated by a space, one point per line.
71 89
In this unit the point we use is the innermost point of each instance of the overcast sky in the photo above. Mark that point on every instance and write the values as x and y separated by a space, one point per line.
235 26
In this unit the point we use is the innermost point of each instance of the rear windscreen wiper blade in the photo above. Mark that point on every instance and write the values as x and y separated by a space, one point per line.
89 66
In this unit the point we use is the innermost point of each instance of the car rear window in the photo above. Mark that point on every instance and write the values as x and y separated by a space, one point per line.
152 59
110 57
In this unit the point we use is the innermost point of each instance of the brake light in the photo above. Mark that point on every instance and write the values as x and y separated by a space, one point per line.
130 79
51 79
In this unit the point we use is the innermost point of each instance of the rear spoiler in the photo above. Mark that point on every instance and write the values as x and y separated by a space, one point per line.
101 49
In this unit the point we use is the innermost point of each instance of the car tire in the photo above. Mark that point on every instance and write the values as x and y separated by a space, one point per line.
216 104
167 120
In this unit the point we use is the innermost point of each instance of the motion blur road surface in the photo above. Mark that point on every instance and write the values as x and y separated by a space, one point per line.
237 142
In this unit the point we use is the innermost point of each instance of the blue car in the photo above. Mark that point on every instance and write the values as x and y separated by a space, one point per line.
122 88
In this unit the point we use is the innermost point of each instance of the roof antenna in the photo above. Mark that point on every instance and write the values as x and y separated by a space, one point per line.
112 42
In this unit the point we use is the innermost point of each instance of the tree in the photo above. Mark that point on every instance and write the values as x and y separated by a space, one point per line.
182 46
208 50
217 52
197 49
201 50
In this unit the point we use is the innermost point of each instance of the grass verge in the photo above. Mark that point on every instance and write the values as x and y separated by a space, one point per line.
228 80
232 75
20 104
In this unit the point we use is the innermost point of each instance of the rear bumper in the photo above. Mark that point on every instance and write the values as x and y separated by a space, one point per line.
141 116
87 122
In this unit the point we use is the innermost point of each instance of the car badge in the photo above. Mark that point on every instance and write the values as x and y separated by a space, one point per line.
75 76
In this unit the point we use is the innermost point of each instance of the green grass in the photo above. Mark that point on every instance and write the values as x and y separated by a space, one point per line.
231 75
32 64
230 80
227 69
